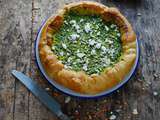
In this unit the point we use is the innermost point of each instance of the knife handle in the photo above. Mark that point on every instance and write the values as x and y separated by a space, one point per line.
62 116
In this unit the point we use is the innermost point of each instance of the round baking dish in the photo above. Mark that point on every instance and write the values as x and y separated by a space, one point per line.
73 93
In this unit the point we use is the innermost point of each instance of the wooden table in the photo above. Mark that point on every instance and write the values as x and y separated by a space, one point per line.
137 100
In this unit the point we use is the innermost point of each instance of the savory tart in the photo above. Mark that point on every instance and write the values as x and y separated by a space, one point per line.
87 47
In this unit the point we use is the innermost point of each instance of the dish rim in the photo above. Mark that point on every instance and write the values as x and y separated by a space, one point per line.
72 93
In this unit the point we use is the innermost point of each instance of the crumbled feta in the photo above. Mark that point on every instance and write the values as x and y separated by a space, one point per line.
97 26
112 26
61 53
112 51
106 27
85 67
93 51
64 46
106 40
72 22
65 66
87 61
107 61
87 28
91 42
78 30
81 20
91 34
98 33
69 60
80 55
107 49
68 53
103 49
65 22
77 27
74 36
78 51
78 60
110 42
53 48
98 45
118 34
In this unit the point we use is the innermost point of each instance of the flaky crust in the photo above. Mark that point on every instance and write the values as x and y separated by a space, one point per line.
80 81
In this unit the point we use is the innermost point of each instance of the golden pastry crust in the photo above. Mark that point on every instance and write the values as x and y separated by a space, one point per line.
80 81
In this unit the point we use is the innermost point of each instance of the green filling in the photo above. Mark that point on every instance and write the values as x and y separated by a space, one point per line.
87 43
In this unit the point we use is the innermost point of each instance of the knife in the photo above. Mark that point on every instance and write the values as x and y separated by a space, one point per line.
41 94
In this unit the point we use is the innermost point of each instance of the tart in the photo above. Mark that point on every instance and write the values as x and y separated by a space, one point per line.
87 47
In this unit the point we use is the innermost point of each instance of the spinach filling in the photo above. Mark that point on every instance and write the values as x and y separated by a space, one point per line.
87 43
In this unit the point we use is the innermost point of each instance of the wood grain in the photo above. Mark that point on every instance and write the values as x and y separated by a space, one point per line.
15 54
39 14
19 23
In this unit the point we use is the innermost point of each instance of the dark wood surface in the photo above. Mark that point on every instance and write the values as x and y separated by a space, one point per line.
137 100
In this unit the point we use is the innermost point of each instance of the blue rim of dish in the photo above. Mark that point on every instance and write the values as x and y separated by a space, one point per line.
73 93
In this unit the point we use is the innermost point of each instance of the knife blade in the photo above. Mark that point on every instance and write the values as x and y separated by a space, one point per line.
41 94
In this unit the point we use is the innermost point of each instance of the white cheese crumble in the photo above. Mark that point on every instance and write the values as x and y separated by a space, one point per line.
93 51
107 61
78 51
110 42
78 30
72 22
118 34
98 45
87 28
53 48
68 54
65 66
106 40
98 33
91 42
65 22
106 27
80 55
112 51
81 20
64 46
112 26
85 67
78 60
74 36
103 49
77 27
61 53
69 59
